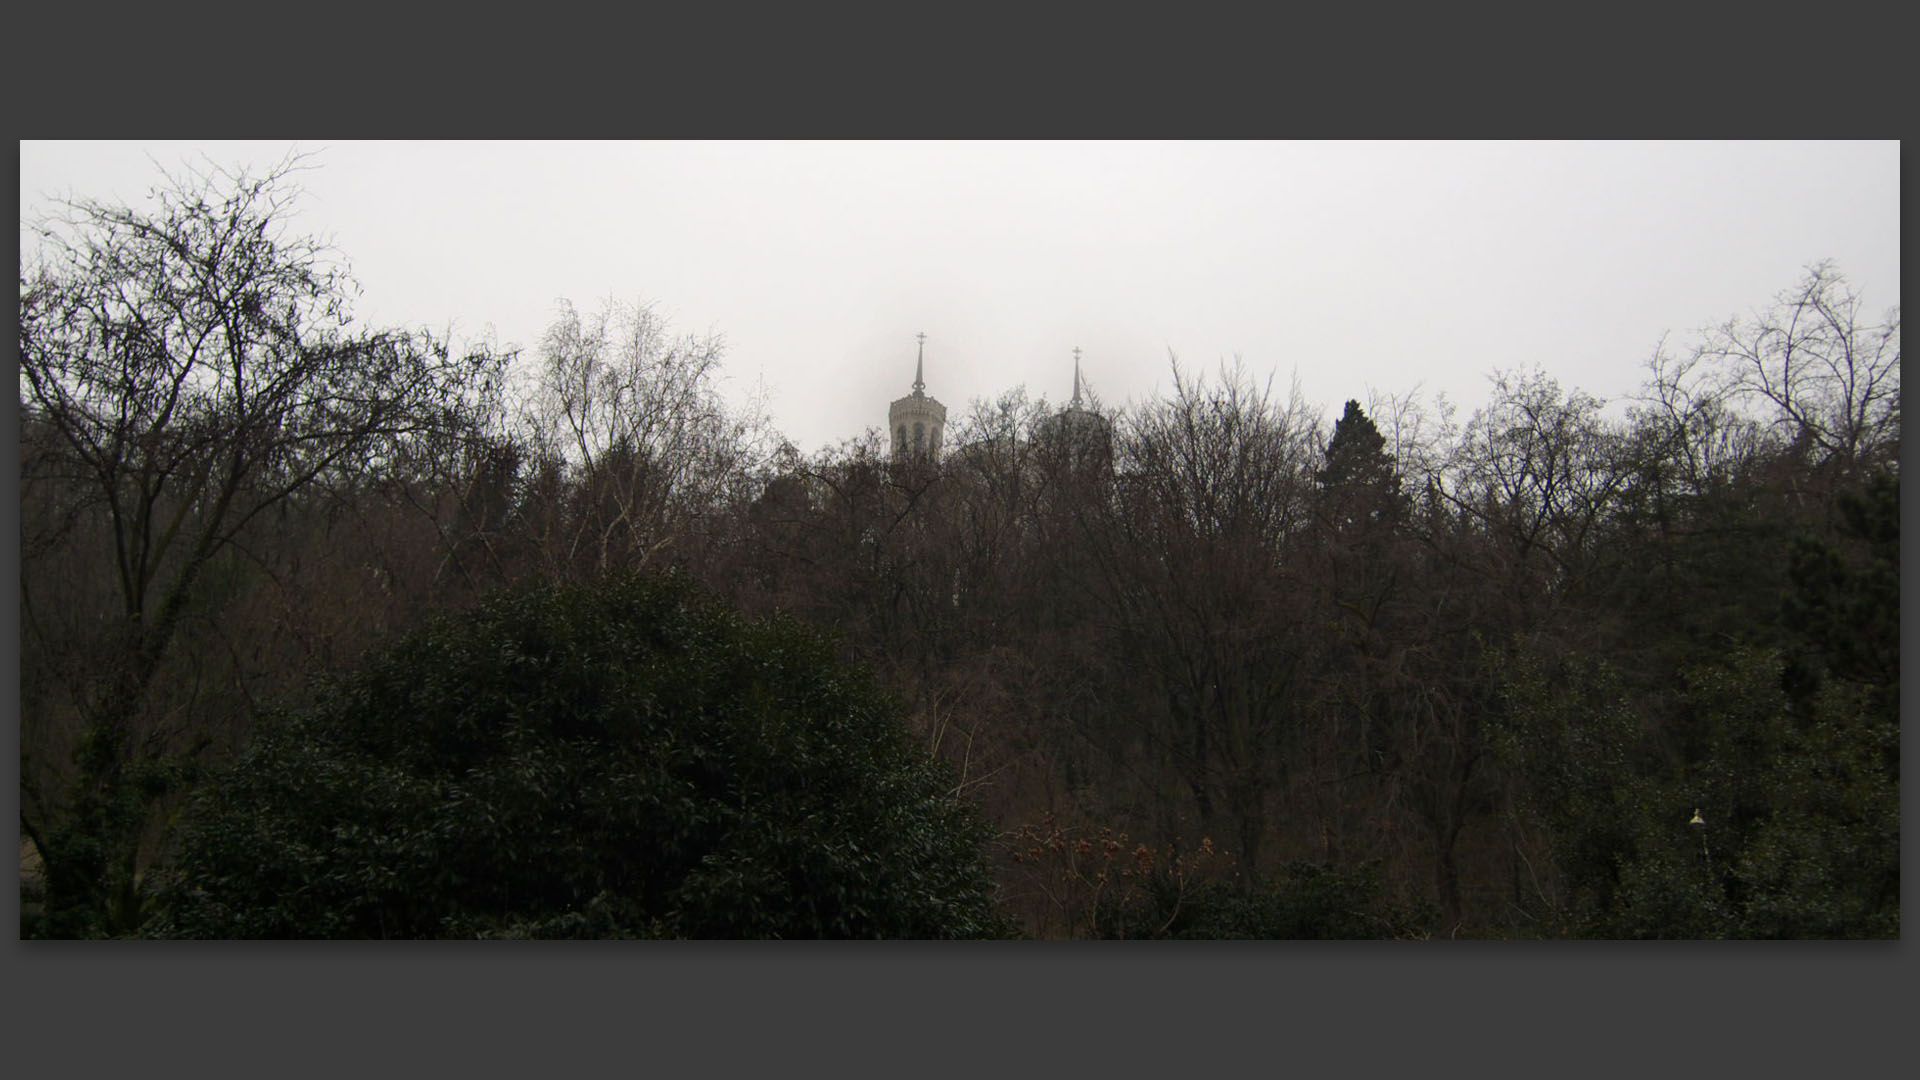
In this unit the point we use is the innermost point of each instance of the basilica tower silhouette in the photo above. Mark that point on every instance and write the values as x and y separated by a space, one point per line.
917 421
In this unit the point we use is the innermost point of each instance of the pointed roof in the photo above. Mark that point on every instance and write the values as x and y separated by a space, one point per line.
919 366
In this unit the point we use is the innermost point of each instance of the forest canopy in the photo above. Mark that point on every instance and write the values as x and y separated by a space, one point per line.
323 625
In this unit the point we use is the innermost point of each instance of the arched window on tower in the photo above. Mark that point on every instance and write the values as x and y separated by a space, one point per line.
900 440
919 438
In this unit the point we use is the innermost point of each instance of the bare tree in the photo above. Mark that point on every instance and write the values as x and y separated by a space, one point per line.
1542 471
192 366
1689 428
1828 373
1213 488
633 413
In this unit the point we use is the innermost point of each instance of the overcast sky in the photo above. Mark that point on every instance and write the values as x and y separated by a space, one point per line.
1357 267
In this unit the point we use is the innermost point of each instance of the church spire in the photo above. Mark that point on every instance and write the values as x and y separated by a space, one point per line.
1076 376
916 421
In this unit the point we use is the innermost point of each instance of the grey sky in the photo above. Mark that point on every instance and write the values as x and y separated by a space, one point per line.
1358 266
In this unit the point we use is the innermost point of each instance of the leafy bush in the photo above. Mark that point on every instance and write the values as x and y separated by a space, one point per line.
626 759
1774 819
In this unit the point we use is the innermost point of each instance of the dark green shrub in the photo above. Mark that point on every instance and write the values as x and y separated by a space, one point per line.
1797 804
626 759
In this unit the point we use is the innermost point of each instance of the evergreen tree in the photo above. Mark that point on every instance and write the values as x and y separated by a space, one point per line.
1359 482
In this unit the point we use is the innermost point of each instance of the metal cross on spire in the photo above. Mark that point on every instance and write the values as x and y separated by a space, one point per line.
919 364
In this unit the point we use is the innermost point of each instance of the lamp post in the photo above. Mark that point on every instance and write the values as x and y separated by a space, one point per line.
1706 856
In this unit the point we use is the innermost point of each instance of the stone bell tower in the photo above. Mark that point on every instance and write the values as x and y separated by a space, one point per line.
917 421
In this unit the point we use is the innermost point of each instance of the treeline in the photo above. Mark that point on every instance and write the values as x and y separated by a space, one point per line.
1210 665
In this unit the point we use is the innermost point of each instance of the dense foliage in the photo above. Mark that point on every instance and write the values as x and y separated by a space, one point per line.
616 760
